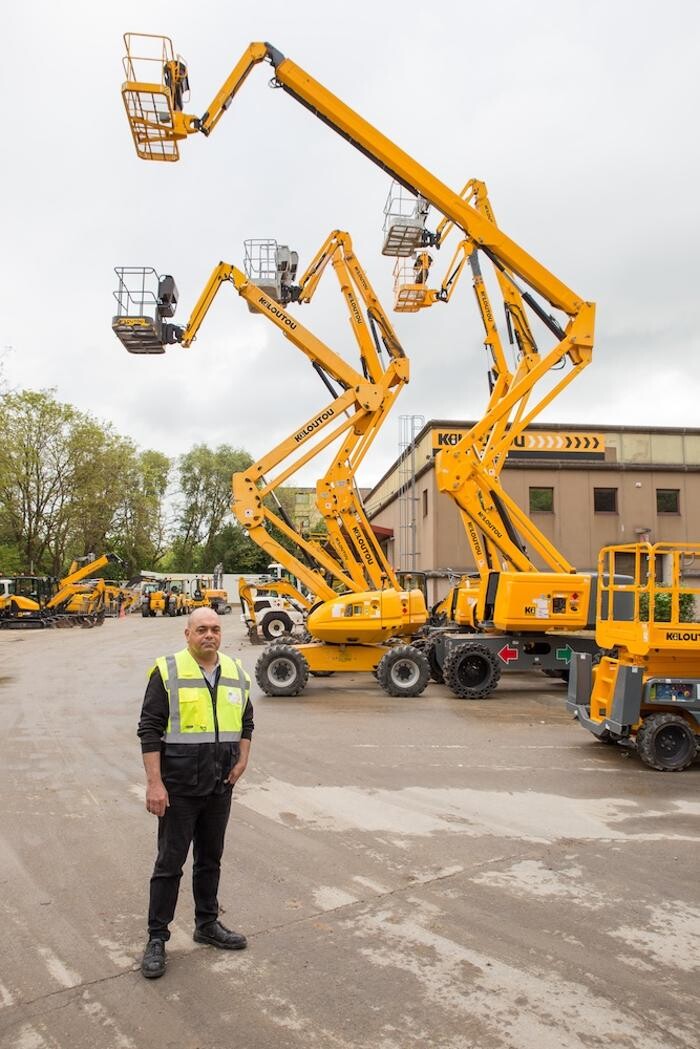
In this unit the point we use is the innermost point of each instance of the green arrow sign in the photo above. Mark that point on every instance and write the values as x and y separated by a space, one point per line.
564 654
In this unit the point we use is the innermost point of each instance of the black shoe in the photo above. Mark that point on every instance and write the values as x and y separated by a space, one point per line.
153 963
219 936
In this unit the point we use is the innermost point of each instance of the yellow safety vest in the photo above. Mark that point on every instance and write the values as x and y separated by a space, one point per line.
194 718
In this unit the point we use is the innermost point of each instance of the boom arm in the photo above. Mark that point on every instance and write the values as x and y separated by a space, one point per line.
489 440
398 164
356 414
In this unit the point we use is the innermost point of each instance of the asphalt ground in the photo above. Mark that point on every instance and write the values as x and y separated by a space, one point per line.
410 873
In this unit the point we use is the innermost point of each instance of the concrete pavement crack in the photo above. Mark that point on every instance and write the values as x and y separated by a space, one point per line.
416 883
56 999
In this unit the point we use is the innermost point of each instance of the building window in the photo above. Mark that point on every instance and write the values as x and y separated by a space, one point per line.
605 500
668 501
542 500
425 502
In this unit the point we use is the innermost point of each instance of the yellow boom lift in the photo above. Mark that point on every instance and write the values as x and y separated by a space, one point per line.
352 631
649 692
516 604
523 624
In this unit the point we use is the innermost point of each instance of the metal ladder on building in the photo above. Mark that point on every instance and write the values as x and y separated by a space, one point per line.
407 547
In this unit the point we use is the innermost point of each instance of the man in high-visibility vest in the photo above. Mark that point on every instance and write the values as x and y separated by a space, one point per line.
195 729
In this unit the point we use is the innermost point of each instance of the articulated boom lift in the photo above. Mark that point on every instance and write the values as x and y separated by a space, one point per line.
518 608
513 594
353 631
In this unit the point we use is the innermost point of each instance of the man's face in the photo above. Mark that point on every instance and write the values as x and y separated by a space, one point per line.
203 635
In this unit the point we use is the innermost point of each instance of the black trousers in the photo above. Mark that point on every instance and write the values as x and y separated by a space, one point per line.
202 823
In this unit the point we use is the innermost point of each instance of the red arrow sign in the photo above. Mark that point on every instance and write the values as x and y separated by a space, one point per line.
507 653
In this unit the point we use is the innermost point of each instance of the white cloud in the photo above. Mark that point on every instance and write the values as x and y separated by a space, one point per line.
579 116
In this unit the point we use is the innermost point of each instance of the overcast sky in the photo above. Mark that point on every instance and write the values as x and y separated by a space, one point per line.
581 117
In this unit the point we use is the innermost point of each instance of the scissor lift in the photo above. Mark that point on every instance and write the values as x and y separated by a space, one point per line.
649 692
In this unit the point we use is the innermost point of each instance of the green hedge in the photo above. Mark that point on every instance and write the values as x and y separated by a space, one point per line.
662 608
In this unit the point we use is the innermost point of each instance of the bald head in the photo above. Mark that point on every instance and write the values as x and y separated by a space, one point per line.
202 615
203 635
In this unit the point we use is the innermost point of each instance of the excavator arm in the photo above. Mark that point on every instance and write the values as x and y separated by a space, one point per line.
76 572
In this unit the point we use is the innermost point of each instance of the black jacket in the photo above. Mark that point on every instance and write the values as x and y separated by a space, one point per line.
193 769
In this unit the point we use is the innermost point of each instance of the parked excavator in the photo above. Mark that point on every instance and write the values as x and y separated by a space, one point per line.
354 630
207 592
514 598
35 602
648 693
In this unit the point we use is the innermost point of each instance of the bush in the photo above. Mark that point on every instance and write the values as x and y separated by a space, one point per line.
662 608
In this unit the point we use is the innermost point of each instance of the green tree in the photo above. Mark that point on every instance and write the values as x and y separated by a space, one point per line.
70 485
237 551
35 474
139 531
205 501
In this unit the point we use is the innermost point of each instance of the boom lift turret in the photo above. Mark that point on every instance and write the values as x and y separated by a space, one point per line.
353 631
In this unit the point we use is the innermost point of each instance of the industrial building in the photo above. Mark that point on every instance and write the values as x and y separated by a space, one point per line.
583 486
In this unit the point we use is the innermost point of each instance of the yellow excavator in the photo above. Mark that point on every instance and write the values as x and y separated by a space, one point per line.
33 602
354 630
515 606
207 592
648 693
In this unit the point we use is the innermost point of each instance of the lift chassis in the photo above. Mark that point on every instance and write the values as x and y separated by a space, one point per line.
472 664
646 693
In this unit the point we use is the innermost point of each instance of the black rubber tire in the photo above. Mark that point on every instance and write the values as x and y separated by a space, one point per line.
471 671
145 612
403 671
282 670
558 675
666 742
275 624
436 671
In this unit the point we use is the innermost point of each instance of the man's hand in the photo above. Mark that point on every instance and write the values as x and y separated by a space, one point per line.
157 800
236 772
240 766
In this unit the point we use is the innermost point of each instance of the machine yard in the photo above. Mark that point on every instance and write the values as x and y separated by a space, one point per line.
444 699
410 872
